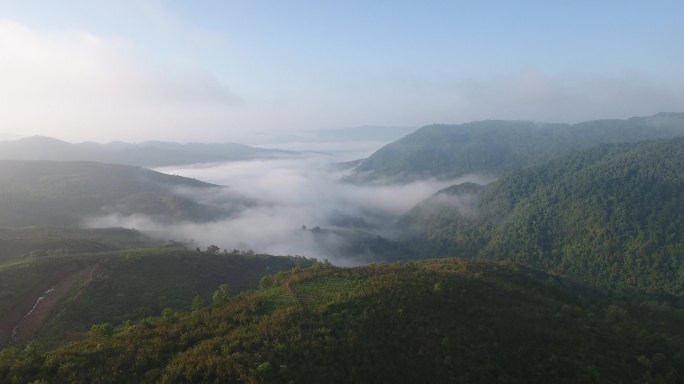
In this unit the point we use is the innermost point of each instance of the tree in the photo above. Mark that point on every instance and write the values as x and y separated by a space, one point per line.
213 249
220 295
197 303
101 331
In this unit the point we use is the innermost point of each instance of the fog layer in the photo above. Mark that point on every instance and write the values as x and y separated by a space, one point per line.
293 196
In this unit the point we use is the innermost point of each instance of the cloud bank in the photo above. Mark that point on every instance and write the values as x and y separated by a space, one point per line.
291 193
73 85
77 86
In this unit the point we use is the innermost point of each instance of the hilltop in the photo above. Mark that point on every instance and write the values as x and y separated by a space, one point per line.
495 147
430 321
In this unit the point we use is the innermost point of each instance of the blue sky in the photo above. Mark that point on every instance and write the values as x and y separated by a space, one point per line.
224 70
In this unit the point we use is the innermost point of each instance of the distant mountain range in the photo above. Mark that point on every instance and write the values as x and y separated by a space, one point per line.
494 147
146 154
369 133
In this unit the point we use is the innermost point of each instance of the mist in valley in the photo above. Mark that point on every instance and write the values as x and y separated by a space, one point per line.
289 206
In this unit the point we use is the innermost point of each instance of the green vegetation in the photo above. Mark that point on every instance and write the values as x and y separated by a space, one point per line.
492 148
113 306
64 193
85 289
610 216
22 243
430 321
146 154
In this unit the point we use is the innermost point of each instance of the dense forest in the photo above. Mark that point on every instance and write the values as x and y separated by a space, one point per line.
431 321
495 147
610 216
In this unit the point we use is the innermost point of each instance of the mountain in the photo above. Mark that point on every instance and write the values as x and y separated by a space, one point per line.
146 154
492 148
612 216
446 321
49 193
56 298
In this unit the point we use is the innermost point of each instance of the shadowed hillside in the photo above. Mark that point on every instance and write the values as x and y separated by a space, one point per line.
51 193
53 299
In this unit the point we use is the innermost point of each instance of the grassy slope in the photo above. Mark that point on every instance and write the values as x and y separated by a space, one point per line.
432 321
120 285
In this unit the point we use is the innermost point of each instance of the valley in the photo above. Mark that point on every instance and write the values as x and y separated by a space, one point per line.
267 192
523 273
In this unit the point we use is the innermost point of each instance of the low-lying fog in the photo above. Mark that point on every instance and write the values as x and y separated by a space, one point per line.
293 196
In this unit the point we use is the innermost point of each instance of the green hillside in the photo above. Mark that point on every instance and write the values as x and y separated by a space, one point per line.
613 216
19 243
80 290
146 154
445 321
493 147
50 193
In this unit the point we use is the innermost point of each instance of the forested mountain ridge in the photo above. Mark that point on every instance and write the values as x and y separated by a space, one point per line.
612 216
494 147
64 193
429 321
145 154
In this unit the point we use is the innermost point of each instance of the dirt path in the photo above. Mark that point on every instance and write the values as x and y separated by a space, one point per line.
43 297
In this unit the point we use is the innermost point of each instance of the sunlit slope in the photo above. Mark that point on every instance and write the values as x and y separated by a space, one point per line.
445 321
80 290
494 147
613 216
64 193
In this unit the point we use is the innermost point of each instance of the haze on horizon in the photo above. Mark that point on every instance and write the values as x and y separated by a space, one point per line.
235 71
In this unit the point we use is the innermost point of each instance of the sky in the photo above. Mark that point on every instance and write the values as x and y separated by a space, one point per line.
137 70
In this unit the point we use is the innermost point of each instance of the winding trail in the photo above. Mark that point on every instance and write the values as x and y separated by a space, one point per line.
45 295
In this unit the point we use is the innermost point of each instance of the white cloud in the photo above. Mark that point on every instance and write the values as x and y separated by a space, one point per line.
566 97
291 193
77 85
531 94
